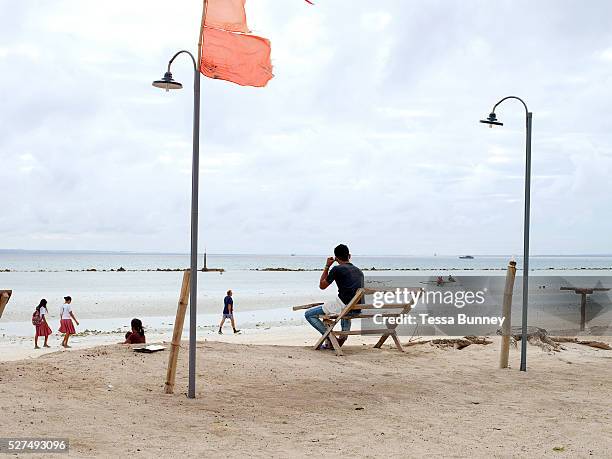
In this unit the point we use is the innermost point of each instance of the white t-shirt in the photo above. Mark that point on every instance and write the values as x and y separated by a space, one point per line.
42 311
333 307
66 309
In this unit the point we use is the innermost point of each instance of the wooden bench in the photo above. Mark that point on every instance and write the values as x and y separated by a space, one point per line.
387 310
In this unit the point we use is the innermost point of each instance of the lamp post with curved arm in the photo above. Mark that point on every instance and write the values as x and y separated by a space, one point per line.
168 83
492 121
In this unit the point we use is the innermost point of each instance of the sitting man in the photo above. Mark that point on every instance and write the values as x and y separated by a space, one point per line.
349 279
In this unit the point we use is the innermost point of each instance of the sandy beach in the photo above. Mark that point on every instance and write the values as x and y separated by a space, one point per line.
235 181
267 394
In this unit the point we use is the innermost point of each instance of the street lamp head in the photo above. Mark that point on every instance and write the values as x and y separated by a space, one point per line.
492 120
167 83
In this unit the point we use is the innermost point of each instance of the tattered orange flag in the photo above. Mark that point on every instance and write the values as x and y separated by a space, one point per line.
239 58
226 15
227 54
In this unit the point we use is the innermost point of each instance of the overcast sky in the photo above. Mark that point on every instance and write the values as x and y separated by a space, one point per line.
368 134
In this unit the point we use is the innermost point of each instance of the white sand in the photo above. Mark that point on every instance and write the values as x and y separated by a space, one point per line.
19 347
291 401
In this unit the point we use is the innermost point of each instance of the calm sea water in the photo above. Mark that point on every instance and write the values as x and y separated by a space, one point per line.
48 261
100 298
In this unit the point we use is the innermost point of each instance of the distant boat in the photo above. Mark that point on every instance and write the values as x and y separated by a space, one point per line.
466 257
293 254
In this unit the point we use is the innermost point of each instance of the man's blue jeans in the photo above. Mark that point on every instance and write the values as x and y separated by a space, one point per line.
312 316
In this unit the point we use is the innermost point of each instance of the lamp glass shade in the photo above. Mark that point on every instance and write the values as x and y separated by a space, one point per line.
167 83
492 120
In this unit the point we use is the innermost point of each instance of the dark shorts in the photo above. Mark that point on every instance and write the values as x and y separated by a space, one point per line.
228 316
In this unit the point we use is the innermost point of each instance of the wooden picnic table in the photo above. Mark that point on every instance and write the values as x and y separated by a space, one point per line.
583 292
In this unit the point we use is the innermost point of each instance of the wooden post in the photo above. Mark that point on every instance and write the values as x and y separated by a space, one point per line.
507 314
5 295
178 332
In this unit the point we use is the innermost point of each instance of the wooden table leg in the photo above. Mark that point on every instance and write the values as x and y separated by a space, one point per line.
397 342
382 340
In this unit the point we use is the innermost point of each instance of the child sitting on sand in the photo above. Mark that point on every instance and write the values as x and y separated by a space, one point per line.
66 325
137 335
40 320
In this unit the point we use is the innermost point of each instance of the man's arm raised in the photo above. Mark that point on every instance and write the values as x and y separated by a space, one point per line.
323 283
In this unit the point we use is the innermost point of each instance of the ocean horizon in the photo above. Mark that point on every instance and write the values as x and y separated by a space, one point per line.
123 285
43 260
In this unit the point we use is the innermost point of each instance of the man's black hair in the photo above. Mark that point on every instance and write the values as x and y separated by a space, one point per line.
342 252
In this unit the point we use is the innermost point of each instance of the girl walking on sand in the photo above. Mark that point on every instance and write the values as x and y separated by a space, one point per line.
39 319
66 325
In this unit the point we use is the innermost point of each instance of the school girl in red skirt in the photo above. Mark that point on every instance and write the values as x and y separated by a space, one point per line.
66 325
39 319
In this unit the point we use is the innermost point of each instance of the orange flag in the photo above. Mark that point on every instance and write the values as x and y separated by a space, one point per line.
240 58
226 15
227 51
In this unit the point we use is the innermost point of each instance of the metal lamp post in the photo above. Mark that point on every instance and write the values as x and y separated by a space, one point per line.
168 83
492 121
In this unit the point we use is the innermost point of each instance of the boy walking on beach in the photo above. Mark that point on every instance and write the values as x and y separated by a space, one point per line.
228 312
348 278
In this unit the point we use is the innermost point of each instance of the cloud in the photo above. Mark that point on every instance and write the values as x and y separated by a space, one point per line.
368 133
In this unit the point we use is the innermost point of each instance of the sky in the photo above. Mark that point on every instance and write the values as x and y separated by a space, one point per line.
368 134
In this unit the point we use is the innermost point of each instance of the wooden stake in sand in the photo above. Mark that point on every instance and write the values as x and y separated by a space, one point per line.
507 314
176 335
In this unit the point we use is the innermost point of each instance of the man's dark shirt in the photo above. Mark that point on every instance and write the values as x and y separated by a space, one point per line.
348 278
226 303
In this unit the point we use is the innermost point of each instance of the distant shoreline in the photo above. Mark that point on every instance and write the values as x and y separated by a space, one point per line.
219 254
286 269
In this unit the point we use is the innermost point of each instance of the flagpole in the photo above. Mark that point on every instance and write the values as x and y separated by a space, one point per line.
195 179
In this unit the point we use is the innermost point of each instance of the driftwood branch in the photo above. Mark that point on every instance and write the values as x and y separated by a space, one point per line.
457 343
536 336
596 344
539 337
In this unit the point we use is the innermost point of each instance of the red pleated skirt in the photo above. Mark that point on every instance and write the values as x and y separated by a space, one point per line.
66 326
43 329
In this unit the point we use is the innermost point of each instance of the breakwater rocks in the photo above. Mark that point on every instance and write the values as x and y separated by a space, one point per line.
285 269
281 269
121 269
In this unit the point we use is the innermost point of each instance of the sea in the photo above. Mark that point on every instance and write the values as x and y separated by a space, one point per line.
29 261
109 288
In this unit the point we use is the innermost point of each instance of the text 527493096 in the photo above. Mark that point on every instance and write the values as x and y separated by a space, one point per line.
34 445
